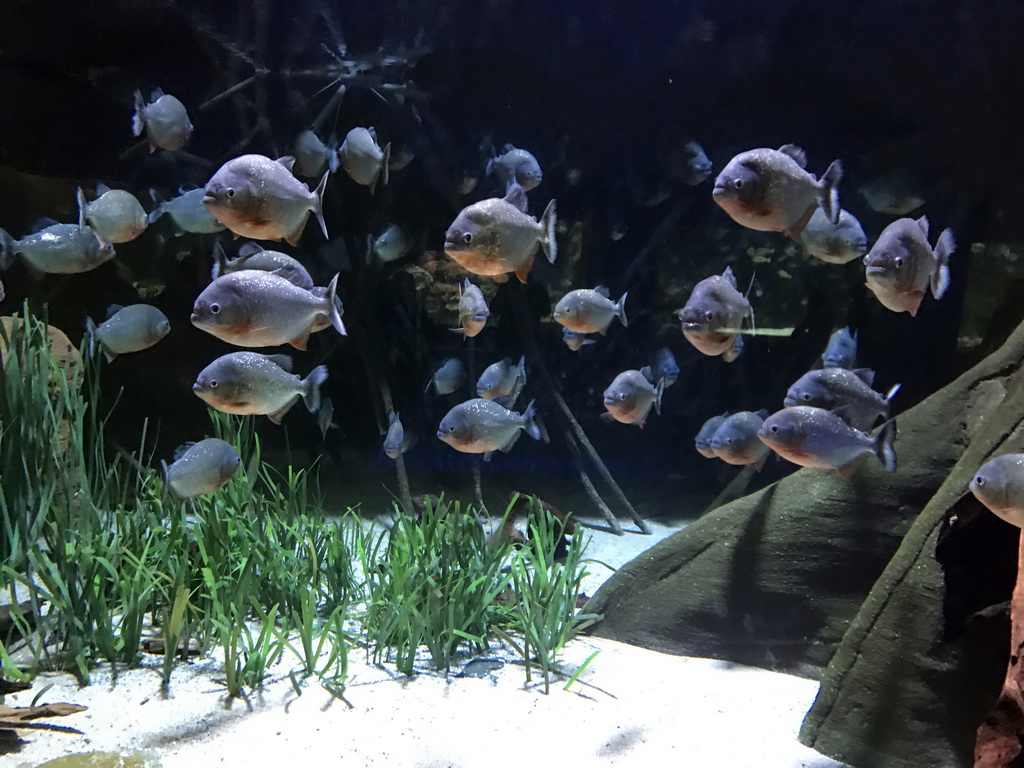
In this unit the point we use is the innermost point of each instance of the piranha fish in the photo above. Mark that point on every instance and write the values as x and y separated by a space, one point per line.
363 159
253 308
502 379
901 265
698 164
713 315
665 367
575 340
484 426
631 394
847 393
126 329
841 350
473 311
837 243
390 245
735 441
702 441
64 249
999 485
164 119
895 193
200 468
496 236
255 256
516 165
116 215
395 441
589 310
814 437
313 157
448 377
188 213
255 384
257 197
770 190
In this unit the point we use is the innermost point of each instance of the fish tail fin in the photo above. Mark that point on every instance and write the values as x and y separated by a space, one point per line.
547 241
318 211
530 423
333 159
219 258
829 185
80 199
884 449
620 310
384 170
6 249
91 335
733 352
892 392
311 388
334 307
137 117
943 250
659 390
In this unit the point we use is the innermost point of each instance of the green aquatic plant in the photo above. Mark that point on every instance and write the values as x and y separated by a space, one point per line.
431 581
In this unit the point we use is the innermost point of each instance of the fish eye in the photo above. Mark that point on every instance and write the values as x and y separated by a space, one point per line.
738 183
230 192
709 316
774 428
468 237
899 263
622 396
806 397
213 383
215 308
979 481
451 429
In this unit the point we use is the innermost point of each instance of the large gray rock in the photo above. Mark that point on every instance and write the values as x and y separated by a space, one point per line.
775 578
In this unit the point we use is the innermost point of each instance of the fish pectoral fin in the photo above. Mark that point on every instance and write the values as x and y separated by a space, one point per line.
524 271
487 456
293 237
301 341
278 416
847 470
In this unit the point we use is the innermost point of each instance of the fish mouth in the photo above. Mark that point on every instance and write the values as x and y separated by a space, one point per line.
197 387
556 315
789 402
610 401
194 318
692 326
208 198
718 191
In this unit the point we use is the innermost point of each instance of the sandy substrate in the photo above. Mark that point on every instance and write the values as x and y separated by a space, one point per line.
630 707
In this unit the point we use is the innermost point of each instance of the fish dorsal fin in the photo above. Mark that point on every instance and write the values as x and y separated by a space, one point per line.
647 373
156 93
101 189
515 195
113 309
288 161
392 417
729 276
865 374
603 290
764 413
249 249
923 224
795 152
284 362
506 148
40 224
373 133
182 449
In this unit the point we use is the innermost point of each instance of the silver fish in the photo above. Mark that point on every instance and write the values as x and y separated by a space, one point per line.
116 215
484 426
313 157
901 265
630 396
999 485
364 161
201 468
164 119
702 441
814 437
516 165
497 236
391 244
255 256
448 377
664 366
713 314
255 384
188 213
257 197
65 249
575 340
127 329
252 308
395 442
735 441
837 243
473 311
589 310
841 351
502 379
847 393
770 190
